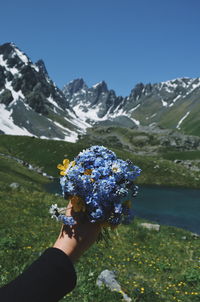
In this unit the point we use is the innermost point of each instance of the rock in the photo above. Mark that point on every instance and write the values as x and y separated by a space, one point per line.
183 237
14 185
195 236
107 278
178 161
150 226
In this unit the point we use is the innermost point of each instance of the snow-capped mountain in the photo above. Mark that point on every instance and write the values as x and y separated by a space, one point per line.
172 104
30 103
97 104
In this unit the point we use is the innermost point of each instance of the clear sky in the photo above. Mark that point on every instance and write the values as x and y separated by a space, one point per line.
120 41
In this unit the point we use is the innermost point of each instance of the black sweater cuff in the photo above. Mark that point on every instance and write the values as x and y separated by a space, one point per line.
49 278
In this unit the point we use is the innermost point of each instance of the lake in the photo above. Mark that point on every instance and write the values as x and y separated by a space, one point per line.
170 206
178 207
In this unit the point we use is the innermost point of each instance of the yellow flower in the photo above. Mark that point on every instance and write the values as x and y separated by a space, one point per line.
65 166
77 203
88 171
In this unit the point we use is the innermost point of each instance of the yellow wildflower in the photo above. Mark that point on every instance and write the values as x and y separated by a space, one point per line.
88 171
65 166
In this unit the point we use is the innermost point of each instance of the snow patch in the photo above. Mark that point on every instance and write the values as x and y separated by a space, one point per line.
7 124
96 85
15 94
92 113
194 86
136 107
51 100
174 100
164 103
3 63
22 56
135 121
35 67
181 120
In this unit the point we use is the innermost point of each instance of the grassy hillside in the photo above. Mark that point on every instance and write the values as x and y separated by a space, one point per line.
11 171
47 154
43 153
150 266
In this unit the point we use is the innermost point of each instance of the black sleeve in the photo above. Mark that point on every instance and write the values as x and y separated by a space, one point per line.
48 279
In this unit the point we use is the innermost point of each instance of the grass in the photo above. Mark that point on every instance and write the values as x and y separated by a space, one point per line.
186 155
150 266
162 172
48 153
40 152
11 171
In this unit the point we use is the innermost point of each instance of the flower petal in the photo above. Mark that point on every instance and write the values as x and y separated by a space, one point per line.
63 173
60 167
66 162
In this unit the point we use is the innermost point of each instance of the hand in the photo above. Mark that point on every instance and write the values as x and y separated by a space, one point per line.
75 240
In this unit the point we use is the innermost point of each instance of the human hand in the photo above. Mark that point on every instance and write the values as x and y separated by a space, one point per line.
76 239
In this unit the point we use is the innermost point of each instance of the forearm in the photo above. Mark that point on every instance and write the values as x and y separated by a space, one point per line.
75 240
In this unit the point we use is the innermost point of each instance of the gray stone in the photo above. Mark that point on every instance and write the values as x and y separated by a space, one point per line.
14 185
183 237
195 236
107 278
150 226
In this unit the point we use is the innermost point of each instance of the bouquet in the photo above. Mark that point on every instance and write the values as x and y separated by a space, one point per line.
97 183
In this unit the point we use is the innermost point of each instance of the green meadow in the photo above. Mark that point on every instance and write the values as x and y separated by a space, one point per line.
149 265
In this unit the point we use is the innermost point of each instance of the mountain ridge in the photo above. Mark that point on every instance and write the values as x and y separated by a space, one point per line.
31 103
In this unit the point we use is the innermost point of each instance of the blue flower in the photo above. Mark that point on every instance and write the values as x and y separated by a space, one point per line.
68 220
101 180
118 208
96 215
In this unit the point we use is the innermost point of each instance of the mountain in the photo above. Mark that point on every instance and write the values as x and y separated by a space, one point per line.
173 104
30 103
97 104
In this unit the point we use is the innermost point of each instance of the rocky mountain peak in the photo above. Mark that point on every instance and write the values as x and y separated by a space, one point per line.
74 86
29 97
21 80
139 90
13 56
101 87
42 68
7 48
30 103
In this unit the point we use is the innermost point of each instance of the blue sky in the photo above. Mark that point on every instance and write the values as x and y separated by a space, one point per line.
120 41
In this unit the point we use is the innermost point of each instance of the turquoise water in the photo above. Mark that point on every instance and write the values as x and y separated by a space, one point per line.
171 206
165 205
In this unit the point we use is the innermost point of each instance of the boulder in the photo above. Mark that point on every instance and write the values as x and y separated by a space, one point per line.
107 278
150 226
14 185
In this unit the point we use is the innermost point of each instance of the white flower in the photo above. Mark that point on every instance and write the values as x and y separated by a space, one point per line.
116 167
53 209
